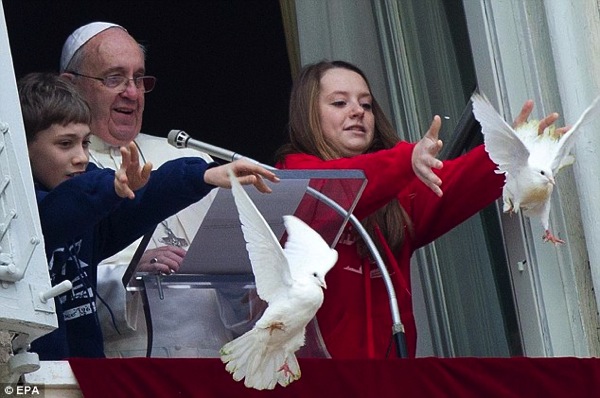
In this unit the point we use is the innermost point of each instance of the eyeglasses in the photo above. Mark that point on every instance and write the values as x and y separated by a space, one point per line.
119 83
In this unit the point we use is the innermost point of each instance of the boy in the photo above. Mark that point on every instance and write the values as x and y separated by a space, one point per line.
87 213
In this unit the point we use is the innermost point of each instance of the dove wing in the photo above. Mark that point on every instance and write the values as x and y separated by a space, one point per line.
305 249
566 142
269 264
501 142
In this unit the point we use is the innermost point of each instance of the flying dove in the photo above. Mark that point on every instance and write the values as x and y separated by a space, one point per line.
291 281
530 160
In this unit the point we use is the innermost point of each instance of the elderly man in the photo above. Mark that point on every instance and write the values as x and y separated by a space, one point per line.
107 65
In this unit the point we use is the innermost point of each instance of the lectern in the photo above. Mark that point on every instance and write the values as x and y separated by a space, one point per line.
217 258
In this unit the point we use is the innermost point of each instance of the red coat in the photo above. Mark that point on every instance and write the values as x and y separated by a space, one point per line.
355 318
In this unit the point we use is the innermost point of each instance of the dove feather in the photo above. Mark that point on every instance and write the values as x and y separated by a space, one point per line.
298 257
510 152
290 280
565 144
262 246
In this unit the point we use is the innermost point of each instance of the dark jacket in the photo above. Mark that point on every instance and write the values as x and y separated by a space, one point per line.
83 222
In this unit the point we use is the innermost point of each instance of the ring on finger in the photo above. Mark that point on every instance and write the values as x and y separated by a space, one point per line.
154 260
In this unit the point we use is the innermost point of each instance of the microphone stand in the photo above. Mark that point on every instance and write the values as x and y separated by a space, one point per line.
180 139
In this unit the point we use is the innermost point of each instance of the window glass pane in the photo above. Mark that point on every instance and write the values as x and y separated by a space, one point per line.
466 287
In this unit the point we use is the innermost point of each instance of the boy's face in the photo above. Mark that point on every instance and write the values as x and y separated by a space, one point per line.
59 153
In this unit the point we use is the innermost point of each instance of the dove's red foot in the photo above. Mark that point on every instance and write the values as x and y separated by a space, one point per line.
549 237
275 325
286 370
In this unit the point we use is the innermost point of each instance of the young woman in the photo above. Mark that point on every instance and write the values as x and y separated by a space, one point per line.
336 123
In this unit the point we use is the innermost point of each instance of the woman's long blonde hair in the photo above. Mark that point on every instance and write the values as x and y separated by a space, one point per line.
306 136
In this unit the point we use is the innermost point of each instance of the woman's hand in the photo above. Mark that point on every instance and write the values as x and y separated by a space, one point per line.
424 157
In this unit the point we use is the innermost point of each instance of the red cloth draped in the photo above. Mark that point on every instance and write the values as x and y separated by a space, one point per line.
420 377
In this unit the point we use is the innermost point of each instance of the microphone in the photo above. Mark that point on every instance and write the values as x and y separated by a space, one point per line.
180 139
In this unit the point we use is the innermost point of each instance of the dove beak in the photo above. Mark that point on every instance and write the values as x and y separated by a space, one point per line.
324 285
552 181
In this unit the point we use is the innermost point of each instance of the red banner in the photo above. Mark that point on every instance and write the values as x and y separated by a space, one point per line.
421 377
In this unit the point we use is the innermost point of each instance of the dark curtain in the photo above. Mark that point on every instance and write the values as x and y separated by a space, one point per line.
222 66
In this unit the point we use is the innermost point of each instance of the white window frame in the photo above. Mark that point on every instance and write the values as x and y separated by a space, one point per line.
516 59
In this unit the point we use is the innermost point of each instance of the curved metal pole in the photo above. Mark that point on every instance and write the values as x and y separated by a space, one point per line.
397 326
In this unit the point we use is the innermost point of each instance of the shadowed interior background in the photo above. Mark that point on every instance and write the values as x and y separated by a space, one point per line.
222 66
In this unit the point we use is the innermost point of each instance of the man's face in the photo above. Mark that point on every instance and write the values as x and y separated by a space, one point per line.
59 153
116 117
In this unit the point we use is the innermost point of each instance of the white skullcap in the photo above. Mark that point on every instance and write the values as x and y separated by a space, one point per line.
81 36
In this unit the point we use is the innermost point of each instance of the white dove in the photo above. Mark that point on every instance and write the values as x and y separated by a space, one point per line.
290 280
530 160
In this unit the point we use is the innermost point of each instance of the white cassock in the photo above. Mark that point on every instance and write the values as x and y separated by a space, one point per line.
193 327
